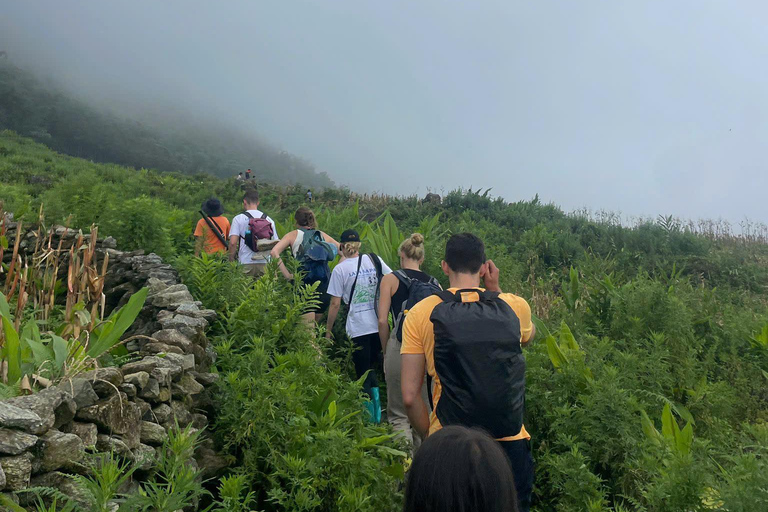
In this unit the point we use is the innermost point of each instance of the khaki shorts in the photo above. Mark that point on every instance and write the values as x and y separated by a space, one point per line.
255 270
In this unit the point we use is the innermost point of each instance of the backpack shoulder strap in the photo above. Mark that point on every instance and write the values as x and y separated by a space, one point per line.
403 277
448 296
376 263
263 215
247 214
354 283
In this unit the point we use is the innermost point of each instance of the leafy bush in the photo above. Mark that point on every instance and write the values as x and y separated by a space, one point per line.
288 413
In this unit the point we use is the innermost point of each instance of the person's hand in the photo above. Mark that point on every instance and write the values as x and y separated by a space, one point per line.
490 274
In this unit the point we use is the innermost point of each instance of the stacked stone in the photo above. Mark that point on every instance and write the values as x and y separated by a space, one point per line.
127 410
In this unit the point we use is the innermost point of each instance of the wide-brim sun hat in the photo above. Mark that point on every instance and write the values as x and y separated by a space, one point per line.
212 207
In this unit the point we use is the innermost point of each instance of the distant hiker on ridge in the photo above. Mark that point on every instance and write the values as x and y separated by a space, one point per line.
309 196
313 249
212 230
248 229
453 335
248 174
240 177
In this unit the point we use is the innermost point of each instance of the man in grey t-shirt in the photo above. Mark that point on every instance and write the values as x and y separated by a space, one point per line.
254 263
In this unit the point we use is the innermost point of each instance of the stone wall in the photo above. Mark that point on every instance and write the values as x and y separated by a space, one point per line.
44 437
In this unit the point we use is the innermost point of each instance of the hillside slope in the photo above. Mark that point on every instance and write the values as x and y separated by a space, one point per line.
646 388
68 125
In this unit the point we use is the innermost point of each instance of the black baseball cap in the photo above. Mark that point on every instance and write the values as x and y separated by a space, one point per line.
350 235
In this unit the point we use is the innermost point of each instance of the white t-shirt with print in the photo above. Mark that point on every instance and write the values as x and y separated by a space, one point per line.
239 226
362 317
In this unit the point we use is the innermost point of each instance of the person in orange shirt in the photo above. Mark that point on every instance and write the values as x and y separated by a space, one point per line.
205 238
470 341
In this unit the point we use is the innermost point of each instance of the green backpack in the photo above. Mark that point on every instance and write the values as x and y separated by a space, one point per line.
313 254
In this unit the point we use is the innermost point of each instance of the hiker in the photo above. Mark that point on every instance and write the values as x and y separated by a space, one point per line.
212 230
459 469
471 340
303 242
400 291
248 228
248 174
357 280
309 196
240 177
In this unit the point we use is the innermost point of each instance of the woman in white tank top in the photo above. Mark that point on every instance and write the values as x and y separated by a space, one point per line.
306 224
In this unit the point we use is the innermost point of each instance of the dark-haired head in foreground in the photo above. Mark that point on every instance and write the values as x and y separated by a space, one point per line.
458 469
465 253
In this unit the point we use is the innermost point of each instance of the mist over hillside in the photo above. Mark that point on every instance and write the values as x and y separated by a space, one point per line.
159 138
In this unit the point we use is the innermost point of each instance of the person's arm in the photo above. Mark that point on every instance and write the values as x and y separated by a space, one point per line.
333 311
234 246
234 238
278 249
388 289
328 238
411 381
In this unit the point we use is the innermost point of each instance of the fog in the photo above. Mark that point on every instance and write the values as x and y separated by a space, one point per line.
645 107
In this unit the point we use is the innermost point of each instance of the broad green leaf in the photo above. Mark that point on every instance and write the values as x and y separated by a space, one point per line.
60 350
12 351
566 337
668 424
41 353
648 427
541 327
3 241
373 441
684 440
30 331
559 360
5 309
109 335
332 411
683 412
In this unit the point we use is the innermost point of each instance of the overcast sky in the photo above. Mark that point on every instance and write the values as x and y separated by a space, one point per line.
644 106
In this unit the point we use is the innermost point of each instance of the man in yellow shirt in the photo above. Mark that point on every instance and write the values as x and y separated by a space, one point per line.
469 339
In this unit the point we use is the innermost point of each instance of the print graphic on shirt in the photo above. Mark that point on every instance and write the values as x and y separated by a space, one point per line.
365 290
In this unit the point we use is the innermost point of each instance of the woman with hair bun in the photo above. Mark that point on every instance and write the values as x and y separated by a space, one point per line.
296 240
400 291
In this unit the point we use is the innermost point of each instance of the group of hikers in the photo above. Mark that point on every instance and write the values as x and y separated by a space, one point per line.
452 359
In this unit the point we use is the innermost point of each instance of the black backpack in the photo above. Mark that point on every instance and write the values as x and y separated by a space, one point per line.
417 291
480 363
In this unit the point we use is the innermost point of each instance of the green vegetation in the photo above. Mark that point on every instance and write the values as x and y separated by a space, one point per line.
54 117
76 335
646 386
